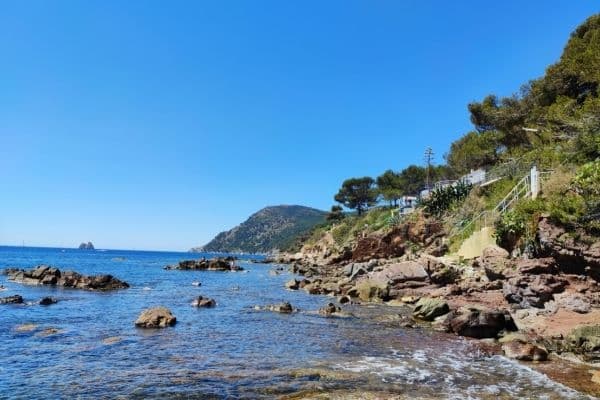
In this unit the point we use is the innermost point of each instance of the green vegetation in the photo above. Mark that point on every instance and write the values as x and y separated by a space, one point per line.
552 122
336 214
442 199
272 228
357 193
352 226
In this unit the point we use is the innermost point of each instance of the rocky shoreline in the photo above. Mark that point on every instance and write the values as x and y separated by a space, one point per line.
532 308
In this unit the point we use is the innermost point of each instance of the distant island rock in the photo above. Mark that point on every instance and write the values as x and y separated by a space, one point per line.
86 246
270 229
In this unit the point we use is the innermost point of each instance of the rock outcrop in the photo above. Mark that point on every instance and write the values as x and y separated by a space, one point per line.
213 264
157 317
86 246
533 290
427 309
585 341
572 256
46 275
16 299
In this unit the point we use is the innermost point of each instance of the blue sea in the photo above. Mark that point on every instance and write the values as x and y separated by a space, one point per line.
87 347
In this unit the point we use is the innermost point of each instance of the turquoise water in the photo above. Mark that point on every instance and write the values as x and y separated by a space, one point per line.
231 351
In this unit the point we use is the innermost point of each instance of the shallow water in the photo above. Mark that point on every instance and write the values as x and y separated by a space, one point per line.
231 351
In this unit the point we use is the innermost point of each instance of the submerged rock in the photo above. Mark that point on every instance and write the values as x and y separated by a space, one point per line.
156 317
329 309
46 275
284 308
428 309
16 299
204 302
46 301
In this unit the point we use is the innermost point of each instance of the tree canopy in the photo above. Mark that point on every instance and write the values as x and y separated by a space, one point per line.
390 186
357 193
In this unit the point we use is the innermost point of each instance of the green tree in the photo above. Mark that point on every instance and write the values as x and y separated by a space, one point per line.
336 214
357 193
390 186
474 150
413 179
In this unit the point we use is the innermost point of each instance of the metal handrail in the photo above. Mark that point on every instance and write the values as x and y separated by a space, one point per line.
520 190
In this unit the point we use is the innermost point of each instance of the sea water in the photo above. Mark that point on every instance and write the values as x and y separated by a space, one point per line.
86 346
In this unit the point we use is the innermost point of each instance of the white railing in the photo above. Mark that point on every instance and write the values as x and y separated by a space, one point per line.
523 189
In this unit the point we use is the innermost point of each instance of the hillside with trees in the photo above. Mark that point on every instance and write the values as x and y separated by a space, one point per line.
552 122
272 228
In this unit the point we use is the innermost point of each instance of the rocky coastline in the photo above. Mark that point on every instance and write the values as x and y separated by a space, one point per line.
533 309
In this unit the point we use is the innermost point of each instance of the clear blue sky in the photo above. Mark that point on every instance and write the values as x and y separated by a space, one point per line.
155 125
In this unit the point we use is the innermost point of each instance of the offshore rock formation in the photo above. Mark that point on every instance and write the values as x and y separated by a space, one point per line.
214 264
16 299
46 275
86 246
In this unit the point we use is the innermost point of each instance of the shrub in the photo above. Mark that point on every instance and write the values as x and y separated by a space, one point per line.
441 199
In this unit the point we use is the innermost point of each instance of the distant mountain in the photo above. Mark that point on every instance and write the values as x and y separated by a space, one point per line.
272 228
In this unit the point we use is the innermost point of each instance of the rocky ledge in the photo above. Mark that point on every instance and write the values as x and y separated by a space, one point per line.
47 275
203 264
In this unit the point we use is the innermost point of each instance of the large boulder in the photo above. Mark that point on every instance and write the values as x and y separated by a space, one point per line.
533 290
523 351
480 323
428 308
495 261
156 317
400 272
16 299
371 290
